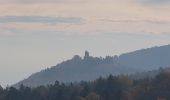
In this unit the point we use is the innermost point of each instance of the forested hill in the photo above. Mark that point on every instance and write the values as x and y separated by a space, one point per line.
147 59
90 68
77 69
110 88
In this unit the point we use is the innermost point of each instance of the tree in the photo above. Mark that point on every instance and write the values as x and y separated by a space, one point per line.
1 89
92 96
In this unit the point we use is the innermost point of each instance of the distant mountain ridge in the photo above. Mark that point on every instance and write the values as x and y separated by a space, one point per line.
89 68
147 59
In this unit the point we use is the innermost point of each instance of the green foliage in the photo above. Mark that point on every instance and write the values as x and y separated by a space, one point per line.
110 88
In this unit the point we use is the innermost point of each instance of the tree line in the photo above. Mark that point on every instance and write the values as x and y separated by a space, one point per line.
110 88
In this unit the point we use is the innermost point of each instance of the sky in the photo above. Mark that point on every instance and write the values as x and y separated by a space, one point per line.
36 34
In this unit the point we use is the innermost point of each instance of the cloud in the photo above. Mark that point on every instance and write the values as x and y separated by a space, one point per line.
135 21
39 1
28 1
146 2
39 19
92 17
154 2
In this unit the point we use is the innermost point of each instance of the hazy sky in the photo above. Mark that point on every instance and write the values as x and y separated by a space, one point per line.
36 34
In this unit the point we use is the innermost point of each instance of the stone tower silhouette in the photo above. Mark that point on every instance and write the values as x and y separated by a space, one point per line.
87 55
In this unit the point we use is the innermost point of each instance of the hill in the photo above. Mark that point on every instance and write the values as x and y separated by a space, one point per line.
147 59
90 68
109 88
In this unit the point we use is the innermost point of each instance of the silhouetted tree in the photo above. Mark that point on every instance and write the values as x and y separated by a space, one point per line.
110 88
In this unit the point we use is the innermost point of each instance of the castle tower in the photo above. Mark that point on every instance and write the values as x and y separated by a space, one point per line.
86 55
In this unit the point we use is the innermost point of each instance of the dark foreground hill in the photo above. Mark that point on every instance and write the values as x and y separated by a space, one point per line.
90 68
108 88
